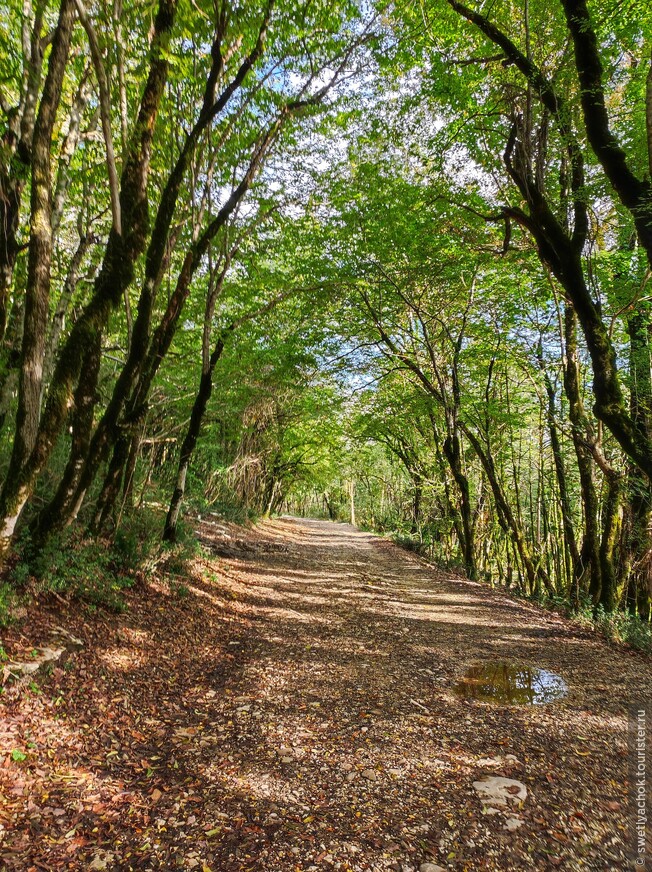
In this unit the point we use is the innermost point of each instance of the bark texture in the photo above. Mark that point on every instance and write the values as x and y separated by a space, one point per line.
115 275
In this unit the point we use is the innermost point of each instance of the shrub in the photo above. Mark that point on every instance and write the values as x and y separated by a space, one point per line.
625 627
86 569
8 599
137 540
94 571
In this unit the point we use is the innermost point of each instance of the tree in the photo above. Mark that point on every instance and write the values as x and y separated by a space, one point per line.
246 89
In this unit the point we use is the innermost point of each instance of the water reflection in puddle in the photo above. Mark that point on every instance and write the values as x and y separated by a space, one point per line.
503 682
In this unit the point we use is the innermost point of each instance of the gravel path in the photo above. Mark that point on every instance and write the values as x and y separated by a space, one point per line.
353 726
292 709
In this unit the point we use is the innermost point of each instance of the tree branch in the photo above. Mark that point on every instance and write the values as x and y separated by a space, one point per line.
648 115
105 114
634 193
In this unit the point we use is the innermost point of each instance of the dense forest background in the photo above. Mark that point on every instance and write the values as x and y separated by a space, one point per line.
379 262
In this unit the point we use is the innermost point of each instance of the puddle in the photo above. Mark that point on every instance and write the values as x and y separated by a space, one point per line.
511 683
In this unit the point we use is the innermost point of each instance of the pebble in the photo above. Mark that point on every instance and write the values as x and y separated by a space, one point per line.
102 861
499 793
512 823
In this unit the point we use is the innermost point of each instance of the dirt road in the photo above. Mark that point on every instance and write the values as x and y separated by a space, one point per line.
292 707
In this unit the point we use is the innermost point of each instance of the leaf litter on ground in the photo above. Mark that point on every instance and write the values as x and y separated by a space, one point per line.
294 710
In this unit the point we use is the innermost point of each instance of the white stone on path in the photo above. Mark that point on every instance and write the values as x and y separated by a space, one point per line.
497 792
513 822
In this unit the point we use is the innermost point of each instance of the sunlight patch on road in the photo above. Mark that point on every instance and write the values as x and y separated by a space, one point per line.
123 660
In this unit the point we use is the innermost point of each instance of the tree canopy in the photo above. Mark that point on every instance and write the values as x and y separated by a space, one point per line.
384 262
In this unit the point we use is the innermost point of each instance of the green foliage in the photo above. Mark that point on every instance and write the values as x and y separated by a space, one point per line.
172 559
625 627
86 569
137 540
94 571
209 492
409 542
224 503
98 571
383 309
618 626
20 573
181 591
8 601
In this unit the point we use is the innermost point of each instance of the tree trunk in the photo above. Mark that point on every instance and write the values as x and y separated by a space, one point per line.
37 293
11 189
535 575
452 451
640 491
116 274
13 344
190 441
610 529
417 485
560 472
110 486
589 562
82 427
15 157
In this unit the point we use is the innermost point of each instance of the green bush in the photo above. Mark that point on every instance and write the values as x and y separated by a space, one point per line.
89 570
8 599
98 571
617 626
94 571
625 627
137 540
409 541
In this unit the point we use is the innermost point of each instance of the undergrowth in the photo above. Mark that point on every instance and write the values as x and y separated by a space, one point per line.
619 626
9 600
218 499
409 542
624 627
95 571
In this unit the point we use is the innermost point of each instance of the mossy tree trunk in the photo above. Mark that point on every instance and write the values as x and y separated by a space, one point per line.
559 247
202 399
116 273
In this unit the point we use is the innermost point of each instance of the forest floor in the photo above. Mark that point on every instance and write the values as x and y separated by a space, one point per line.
289 706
